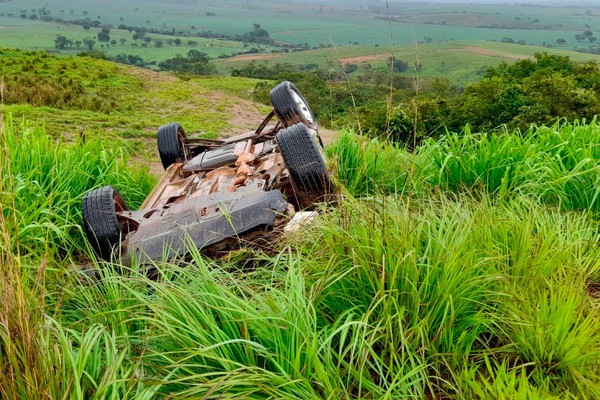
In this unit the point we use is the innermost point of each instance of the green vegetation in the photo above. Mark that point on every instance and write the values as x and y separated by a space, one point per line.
555 165
46 179
461 260
155 31
72 95
445 281
530 91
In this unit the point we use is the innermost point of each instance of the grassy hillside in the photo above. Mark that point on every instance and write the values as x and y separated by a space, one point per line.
73 96
469 268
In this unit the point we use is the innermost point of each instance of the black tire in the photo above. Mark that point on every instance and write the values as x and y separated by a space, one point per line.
305 164
290 106
170 140
102 228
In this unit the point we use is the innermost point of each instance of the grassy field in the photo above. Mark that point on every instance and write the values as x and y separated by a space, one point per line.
465 273
460 62
30 35
341 22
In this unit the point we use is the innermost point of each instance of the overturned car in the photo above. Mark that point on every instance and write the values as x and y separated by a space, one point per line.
217 194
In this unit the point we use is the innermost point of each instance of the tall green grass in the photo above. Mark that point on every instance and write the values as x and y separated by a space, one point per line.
369 167
42 181
455 282
386 298
559 165
451 282
49 177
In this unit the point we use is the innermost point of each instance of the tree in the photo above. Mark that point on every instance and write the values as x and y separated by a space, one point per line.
350 68
122 40
61 42
560 41
177 41
89 43
257 36
103 36
396 64
78 43
139 35
256 26
196 63
113 42
158 43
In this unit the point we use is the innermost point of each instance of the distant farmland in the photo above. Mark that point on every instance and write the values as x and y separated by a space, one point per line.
458 42
460 62
319 23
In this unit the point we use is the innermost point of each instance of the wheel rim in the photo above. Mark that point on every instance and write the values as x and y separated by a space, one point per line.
303 107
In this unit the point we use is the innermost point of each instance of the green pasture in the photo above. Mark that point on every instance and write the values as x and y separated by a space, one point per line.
460 62
17 33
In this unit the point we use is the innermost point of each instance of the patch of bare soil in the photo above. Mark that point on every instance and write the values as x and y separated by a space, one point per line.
362 59
251 57
241 115
492 53
329 136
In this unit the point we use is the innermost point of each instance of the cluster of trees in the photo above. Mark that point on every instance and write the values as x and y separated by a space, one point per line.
530 91
196 63
586 35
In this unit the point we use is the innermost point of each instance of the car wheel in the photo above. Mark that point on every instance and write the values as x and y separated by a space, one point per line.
290 106
305 164
170 140
102 227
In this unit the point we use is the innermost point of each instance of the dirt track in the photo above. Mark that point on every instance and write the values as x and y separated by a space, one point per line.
361 59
